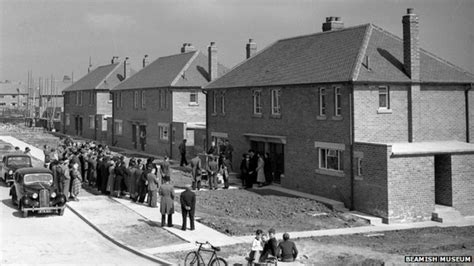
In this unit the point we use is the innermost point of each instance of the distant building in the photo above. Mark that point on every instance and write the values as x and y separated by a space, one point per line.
13 95
355 114
87 102
162 104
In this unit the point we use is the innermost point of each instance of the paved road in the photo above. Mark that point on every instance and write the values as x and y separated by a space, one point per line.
52 239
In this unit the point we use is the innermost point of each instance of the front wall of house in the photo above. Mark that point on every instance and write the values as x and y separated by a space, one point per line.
300 124
370 182
185 111
411 191
150 116
462 167
85 110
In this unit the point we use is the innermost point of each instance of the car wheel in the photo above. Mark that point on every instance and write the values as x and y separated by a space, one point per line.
24 212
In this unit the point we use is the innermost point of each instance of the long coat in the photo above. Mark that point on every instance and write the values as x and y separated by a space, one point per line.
166 193
260 170
196 166
188 198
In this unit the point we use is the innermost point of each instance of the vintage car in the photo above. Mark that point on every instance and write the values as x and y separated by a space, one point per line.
10 163
34 191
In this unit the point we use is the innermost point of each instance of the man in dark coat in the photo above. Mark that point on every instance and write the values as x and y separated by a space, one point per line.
252 168
188 205
182 151
244 170
196 172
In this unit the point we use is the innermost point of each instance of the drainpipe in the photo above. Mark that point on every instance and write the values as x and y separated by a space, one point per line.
207 119
113 117
170 110
466 97
351 133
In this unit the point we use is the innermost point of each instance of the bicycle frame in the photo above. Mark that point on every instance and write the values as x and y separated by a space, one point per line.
206 250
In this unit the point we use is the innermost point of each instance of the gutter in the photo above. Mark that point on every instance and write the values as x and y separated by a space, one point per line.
466 98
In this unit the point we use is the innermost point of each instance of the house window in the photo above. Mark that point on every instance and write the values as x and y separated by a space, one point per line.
104 123
119 102
359 166
91 98
330 159
337 101
143 100
68 120
257 102
162 99
118 126
276 108
214 102
322 102
91 121
384 98
193 98
223 103
163 131
135 99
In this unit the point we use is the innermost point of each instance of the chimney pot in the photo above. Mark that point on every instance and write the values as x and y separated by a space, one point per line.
146 61
251 48
212 54
410 10
333 23
187 47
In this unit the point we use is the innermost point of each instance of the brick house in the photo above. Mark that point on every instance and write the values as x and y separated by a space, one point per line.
355 114
87 102
159 106
13 95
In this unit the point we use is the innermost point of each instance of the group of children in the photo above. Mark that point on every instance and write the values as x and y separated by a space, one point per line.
266 247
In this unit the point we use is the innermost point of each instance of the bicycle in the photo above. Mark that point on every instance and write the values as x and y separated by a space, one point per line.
195 258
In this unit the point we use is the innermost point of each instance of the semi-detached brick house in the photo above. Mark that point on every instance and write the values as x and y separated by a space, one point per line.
358 115
159 106
87 103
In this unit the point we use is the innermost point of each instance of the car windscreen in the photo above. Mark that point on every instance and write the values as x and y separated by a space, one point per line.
20 160
43 178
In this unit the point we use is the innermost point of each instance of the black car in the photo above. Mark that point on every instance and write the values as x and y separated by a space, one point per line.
10 163
34 191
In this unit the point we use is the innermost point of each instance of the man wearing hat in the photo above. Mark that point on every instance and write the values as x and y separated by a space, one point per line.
212 168
188 205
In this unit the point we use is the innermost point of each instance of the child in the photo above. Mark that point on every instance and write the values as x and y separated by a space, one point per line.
257 246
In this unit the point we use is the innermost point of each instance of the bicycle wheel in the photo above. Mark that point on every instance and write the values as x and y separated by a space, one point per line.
218 262
193 258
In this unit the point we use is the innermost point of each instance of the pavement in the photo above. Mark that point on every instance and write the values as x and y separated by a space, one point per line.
135 213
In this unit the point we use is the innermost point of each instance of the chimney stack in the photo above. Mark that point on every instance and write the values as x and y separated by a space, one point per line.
251 48
145 61
187 47
411 50
126 68
212 54
114 60
333 23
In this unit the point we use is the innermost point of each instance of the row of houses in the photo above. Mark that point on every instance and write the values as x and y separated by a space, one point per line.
353 114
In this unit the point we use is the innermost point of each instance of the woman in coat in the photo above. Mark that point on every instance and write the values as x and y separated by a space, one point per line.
141 183
76 181
153 184
111 179
260 170
167 202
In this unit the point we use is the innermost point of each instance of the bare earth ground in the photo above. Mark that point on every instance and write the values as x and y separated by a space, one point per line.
362 249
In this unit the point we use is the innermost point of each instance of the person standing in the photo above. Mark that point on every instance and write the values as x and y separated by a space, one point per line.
140 176
153 185
196 172
166 192
65 180
188 205
132 182
224 170
252 168
260 170
119 178
212 169
229 149
143 139
165 168
76 181
92 174
244 170
182 151
111 178
267 169
287 249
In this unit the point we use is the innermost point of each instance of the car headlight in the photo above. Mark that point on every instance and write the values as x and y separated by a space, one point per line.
10 172
35 195
53 195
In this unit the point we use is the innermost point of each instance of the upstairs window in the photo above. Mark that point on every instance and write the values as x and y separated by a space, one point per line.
135 99
143 100
257 102
193 98
276 107
322 102
118 127
384 98
214 102
223 103
337 101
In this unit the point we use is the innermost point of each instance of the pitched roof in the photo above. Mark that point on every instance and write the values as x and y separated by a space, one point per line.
95 79
11 88
336 56
179 70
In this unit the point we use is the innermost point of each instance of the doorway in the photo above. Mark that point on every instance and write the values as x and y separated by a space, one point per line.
276 155
142 136
443 180
135 136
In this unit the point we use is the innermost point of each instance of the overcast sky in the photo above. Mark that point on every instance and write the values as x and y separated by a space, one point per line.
53 37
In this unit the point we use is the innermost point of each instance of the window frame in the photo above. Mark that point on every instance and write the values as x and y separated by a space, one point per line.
143 99
135 99
322 102
323 160
214 102
223 102
387 97
359 166
257 102
91 121
276 102
118 127
196 96
337 101
162 129
67 117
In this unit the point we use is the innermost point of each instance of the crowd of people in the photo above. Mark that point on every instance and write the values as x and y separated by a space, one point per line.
266 248
255 168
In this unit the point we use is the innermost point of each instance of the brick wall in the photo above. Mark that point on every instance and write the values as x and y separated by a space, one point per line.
184 111
463 183
443 180
85 110
370 125
370 188
301 127
410 188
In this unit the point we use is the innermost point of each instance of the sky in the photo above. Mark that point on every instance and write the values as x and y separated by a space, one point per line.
57 37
